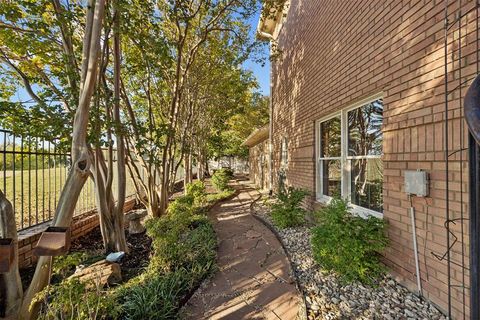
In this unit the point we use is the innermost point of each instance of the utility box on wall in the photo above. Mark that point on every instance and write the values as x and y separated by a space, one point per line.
416 183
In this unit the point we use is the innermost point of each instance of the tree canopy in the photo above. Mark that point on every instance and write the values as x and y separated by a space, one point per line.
142 87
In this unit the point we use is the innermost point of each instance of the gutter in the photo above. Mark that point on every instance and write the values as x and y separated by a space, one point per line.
268 36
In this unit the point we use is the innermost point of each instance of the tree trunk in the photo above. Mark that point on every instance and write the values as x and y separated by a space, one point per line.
10 282
202 165
188 170
111 220
81 157
63 216
163 192
121 242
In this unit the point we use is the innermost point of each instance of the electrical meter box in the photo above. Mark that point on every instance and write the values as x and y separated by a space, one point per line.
416 183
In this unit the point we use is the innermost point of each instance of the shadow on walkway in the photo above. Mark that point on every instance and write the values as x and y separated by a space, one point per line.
254 278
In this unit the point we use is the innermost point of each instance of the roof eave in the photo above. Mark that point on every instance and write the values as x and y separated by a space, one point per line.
267 24
257 136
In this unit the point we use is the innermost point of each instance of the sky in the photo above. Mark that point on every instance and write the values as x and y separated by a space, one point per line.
262 73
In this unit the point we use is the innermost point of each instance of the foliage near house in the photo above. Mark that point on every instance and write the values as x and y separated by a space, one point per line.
287 211
228 141
348 244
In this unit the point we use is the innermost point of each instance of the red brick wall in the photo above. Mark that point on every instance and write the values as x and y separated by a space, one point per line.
334 53
255 171
81 226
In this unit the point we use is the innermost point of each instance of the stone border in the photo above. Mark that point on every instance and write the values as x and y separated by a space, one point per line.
303 308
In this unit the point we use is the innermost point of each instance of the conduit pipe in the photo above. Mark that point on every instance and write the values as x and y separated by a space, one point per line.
415 246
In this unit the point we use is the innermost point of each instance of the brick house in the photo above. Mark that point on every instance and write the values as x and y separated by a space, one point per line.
258 157
359 98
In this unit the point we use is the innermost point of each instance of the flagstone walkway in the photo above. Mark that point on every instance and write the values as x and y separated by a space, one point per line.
254 279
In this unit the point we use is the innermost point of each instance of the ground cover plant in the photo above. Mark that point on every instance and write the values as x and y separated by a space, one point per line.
214 197
182 255
286 210
348 244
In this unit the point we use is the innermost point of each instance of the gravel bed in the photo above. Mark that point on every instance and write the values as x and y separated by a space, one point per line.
327 298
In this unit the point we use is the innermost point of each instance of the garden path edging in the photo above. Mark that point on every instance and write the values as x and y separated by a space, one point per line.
303 307
254 277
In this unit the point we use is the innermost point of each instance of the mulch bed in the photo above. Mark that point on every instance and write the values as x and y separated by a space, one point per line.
140 246
133 263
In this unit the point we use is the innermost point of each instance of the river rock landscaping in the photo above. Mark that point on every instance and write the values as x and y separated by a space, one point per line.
327 298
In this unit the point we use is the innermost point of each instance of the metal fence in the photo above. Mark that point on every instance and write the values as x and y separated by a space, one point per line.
32 177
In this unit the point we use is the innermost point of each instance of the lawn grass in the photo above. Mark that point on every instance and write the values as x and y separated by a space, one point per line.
34 193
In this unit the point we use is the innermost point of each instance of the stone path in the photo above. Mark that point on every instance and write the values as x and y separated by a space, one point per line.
254 279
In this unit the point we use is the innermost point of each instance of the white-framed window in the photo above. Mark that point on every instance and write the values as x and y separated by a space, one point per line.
349 156
284 153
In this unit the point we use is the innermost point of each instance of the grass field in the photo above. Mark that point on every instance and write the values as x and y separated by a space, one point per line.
34 193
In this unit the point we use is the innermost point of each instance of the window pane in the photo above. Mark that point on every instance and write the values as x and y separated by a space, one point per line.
330 138
365 129
367 183
331 178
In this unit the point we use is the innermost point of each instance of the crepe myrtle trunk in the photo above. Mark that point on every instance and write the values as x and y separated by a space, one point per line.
188 177
110 214
163 192
20 304
146 183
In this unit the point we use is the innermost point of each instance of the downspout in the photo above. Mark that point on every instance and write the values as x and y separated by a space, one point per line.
270 133
415 246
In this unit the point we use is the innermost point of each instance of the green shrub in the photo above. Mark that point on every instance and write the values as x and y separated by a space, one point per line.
228 171
180 241
63 265
192 202
211 198
184 252
287 211
183 204
349 244
156 297
198 192
220 179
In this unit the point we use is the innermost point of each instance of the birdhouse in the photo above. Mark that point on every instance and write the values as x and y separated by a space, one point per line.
7 254
54 241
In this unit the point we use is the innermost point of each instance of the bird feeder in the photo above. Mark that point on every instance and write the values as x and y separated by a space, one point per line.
7 254
54 241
